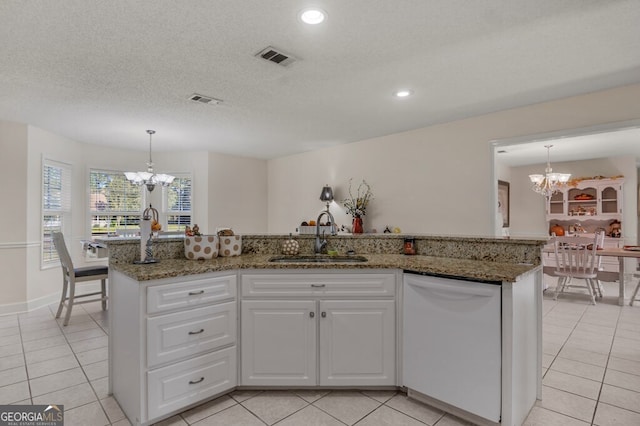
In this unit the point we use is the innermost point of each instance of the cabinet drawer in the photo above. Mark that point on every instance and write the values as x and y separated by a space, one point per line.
283 285
178 385
182 334
167 297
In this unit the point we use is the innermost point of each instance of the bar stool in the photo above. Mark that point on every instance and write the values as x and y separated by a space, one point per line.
71 276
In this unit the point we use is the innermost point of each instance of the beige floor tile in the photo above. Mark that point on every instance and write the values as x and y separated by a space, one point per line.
47 325
48 354
415 409
123 422
586 356
89 344
347 406
92 356
174 421
81 326
547 360
9 331
573 384
273 406
48 342
578 368
101 387
207 409
90 414
626 349
112 408
624 365
567 403
608 415
13 375
622 380
236 416
96 370
13 340
620 397
28 336
385 416
24 402
598 329
54 382
51 366
548 329
71 397
8 322
15 392
310 416
380 395
10 350
85 334
310 395
11 361
629 334
242 395
451 420
34 319
551 348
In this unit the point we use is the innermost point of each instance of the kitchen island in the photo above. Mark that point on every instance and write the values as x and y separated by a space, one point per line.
183 332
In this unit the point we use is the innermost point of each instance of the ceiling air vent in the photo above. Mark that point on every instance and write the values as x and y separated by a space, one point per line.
204 99
276 56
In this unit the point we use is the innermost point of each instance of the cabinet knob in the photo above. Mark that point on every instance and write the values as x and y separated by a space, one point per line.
312 314
323 314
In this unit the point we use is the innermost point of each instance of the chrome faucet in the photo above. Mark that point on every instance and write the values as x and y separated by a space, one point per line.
320 246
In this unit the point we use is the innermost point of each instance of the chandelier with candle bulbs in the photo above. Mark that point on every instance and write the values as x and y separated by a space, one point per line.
550 182
149 178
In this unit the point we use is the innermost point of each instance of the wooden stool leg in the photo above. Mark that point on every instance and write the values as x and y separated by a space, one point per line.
64 296
72 293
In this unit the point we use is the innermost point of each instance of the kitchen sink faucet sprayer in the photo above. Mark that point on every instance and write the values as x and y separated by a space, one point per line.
320 246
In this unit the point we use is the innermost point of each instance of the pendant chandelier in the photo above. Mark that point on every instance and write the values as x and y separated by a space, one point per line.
149 178
550 182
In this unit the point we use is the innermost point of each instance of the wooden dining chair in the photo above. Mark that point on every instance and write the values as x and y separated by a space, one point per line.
71 276
577 258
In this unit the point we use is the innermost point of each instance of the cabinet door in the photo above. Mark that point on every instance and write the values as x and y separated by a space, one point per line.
278 342
357 343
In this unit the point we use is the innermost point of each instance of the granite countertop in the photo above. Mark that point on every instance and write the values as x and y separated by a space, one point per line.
441 266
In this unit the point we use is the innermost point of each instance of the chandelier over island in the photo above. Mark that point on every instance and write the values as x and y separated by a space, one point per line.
550 182
149 178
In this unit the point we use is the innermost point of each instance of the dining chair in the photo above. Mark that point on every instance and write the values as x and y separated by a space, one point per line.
71 276
577 258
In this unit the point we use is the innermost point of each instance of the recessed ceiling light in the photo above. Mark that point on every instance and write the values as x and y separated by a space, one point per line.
312 16
403 93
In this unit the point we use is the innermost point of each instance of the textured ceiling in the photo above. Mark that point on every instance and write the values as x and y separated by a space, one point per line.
104 71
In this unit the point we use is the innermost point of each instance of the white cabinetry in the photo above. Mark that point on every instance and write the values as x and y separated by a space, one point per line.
593 199
318 329
172 342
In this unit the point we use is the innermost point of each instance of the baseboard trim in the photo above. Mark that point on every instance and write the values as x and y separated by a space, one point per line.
44 301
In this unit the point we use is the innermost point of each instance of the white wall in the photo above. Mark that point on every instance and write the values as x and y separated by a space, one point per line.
235 188
432 180
528 207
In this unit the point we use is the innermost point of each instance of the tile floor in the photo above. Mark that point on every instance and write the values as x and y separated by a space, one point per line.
591 367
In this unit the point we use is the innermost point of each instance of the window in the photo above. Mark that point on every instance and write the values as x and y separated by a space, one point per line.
56 206
114 202
177 203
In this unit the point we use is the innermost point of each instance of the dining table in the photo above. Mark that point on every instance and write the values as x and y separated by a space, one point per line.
621 253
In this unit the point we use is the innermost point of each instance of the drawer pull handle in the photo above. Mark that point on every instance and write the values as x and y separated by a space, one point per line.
197 332
195 293
317 285
191 382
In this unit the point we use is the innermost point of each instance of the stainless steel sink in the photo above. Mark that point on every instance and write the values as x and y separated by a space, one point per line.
318 259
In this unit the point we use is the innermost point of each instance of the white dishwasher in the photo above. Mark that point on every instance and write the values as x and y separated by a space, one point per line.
452 342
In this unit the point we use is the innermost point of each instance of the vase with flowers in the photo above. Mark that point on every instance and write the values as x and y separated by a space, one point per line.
356 205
